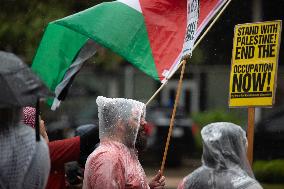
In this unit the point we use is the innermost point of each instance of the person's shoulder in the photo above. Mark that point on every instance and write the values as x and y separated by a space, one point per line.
25 134
25 129
187 179
197 178
255 185
246 182
104 154
203 170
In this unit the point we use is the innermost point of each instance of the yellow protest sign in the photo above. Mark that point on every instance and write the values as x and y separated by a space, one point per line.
254 64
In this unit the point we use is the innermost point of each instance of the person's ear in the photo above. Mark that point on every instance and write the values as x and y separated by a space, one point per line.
120 125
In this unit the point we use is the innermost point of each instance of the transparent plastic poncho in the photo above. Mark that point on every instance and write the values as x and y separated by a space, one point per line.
119 117
114 164
224 161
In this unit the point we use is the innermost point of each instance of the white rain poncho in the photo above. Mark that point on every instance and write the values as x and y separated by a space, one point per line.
114 164
224 161
24 163
114 112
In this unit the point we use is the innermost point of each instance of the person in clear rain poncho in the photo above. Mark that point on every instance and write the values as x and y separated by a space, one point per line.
224 161
114 164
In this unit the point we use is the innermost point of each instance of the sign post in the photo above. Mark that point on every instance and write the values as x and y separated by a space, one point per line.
254 69
250 133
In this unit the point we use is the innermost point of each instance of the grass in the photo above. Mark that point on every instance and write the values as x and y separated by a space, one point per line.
269 171
272 186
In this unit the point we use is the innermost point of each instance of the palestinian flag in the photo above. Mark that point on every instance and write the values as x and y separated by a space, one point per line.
151 34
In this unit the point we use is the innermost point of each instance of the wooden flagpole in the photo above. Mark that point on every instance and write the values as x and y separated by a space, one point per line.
183 62
250 133
173 116
195 45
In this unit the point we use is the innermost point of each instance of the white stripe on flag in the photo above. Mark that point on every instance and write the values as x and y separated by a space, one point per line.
191 26
135 4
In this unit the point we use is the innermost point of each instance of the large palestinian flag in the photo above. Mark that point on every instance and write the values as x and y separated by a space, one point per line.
151 34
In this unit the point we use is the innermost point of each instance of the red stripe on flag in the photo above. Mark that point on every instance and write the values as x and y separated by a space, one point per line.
165 21
208 9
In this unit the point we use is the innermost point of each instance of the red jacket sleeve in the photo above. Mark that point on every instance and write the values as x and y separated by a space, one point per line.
63 151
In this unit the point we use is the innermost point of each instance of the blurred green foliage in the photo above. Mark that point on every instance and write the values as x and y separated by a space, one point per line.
204 118
201 119
23 22
269 171
272 186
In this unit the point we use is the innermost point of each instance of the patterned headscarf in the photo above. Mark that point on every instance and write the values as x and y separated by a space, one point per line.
29 114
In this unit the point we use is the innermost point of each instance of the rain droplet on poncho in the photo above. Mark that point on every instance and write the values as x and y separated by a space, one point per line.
224 161
119 115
